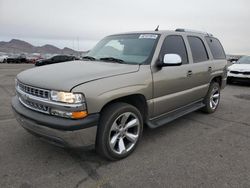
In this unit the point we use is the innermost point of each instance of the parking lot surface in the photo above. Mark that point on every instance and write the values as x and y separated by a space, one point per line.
197 150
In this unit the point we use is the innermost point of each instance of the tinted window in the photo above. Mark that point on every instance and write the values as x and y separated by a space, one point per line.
174 45
216 48
198 49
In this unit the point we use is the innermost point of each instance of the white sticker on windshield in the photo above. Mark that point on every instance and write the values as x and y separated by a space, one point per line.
148 36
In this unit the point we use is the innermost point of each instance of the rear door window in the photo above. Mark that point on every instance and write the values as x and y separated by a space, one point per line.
216 48
198 49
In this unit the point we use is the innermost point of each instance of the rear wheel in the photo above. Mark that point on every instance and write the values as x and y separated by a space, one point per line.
212 99
119 131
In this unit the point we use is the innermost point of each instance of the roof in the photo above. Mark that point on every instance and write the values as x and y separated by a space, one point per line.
177 31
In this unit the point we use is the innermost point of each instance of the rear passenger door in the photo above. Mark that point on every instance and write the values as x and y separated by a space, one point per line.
201 67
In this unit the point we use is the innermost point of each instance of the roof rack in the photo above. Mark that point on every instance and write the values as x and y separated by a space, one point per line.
193 31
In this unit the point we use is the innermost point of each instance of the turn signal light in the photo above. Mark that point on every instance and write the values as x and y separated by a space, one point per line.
79 115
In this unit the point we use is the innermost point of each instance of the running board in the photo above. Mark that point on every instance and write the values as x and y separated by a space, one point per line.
162 120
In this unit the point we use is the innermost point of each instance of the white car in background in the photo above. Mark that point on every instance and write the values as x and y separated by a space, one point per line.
3 58
239 71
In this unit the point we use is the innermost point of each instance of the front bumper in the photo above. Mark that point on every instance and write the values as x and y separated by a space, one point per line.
238 79
59 131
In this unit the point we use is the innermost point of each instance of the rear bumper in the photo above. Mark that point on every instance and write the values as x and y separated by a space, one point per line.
59 131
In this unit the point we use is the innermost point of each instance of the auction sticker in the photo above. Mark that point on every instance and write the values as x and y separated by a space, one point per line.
148 36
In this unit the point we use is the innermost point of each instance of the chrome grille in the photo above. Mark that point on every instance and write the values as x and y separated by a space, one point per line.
33 91
25 94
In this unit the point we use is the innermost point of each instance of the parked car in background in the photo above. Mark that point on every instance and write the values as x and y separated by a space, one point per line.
3 58
240 70
17 59
233 59
33 58
55 59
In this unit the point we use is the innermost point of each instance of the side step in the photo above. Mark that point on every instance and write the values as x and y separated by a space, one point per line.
164 119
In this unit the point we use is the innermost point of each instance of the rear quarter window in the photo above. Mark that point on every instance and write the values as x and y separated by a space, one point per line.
216 48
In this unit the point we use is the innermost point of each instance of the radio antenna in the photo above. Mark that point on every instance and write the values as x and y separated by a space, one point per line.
157 28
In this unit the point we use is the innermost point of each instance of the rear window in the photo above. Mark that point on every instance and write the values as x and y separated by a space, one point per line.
198 49
216 48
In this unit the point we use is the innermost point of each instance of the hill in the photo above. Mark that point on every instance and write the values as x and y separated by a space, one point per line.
19 46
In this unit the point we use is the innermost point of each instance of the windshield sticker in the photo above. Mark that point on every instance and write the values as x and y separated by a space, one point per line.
148 36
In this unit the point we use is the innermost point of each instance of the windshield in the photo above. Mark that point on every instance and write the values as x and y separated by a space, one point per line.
127 48
244 60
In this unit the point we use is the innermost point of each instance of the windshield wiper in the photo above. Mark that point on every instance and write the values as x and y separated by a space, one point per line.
89 58
112 59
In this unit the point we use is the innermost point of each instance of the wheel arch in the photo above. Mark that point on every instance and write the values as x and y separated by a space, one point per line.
136 100
217 79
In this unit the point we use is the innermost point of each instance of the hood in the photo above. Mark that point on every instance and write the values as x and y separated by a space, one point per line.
240 67
64 76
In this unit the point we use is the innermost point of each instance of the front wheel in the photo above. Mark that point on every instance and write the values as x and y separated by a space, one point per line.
212 98
119 131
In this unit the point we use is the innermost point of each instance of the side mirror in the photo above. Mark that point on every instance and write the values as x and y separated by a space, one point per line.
171 60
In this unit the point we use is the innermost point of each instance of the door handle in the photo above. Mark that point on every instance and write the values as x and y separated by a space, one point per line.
209 69
189 73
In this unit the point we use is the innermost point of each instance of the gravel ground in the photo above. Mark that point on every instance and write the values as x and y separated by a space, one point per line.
197 150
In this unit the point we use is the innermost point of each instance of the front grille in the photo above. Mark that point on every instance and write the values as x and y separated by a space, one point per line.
25 92
246 73
234 72
33 91
238 72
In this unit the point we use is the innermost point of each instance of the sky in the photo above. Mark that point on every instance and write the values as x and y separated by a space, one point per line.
80 24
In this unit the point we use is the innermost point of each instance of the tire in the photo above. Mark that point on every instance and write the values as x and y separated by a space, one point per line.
212 98
119 131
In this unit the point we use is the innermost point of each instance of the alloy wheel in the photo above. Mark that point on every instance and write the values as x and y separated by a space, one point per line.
124 133
214 98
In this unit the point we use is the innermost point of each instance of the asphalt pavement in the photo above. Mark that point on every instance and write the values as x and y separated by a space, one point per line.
197 150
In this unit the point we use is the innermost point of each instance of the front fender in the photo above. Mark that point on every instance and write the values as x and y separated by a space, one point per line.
100 92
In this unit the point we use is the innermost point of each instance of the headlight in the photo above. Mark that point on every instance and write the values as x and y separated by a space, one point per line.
69 98
66 97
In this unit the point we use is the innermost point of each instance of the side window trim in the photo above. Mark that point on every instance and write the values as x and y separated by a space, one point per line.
185 46
188 48
205 47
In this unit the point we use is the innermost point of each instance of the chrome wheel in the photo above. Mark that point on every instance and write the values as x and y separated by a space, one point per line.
214 98
124 133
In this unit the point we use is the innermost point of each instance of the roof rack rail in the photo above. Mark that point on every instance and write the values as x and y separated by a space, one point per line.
193 31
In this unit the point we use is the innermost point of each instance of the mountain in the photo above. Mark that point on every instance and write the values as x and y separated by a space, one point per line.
19 46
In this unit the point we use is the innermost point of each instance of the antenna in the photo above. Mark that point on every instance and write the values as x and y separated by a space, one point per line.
157 28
